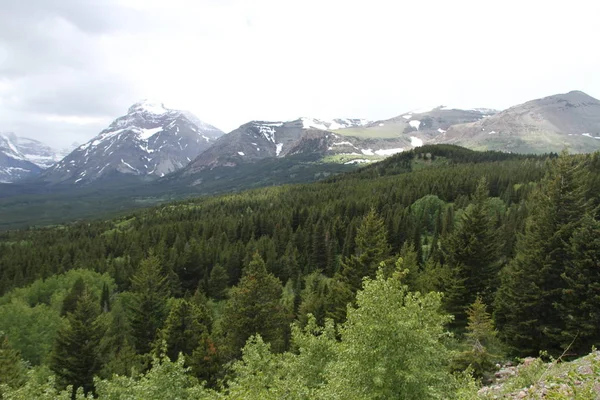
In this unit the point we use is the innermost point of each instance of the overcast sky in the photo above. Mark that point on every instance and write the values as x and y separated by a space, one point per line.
69 67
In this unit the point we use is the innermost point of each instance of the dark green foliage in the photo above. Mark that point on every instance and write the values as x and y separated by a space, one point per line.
372 248
580 301
105 299
71 299
148 309
12 368
255 306
472 252
217 283
76 357
532 284
184 328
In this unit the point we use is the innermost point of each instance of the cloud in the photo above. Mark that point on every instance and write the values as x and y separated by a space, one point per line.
66 62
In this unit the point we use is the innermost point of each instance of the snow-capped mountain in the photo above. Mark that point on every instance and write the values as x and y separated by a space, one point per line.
150 140
14 165
257 140
39 153
22 158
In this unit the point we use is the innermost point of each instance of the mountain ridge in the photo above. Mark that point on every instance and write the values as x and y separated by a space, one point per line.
149 141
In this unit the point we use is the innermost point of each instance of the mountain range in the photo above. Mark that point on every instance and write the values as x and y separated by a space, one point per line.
151 141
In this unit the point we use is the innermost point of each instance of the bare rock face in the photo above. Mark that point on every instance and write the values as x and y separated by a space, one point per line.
550 124
149 141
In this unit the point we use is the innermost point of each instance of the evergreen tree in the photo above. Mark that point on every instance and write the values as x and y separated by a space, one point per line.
76 355
580 302
482 342
217 283
70 301
105 299
532 283
313 298
12 368
372 248
183 329
472 252
148 308
254 306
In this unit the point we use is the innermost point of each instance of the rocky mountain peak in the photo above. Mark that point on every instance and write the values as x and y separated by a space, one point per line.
150 140
148 107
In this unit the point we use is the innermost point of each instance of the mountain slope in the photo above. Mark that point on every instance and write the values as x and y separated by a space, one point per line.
258 140
550 124
419 126
14 165
149 141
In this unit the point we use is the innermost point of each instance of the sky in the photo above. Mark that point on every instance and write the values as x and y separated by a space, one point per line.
70 67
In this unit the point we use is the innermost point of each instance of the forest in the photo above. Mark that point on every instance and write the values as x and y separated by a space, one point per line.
410 278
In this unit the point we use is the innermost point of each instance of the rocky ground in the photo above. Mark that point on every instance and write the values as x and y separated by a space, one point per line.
535 379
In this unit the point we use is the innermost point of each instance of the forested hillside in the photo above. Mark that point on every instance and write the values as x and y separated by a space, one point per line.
387 282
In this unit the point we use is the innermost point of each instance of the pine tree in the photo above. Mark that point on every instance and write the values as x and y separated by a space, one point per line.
254 306
580 303
105 299
481 339
472 252
12 368
76 355
525 306
217 283
70 301
183 329
372 248
148 309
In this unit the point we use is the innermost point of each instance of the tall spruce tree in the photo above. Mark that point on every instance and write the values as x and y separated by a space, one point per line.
371 249
580 302
217 283
70 301
531 284
472 252
148 308
254 306
184 328
76 355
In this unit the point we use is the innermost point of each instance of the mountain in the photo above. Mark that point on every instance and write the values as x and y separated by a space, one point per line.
22 158
149 141
258 140
39 153
419 126
550 124
14 166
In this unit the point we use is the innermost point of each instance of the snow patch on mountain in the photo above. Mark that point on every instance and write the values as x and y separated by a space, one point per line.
146 134
415 124
334 124
415 141
388 152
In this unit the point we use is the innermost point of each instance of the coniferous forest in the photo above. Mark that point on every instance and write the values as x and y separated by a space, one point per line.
410 278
